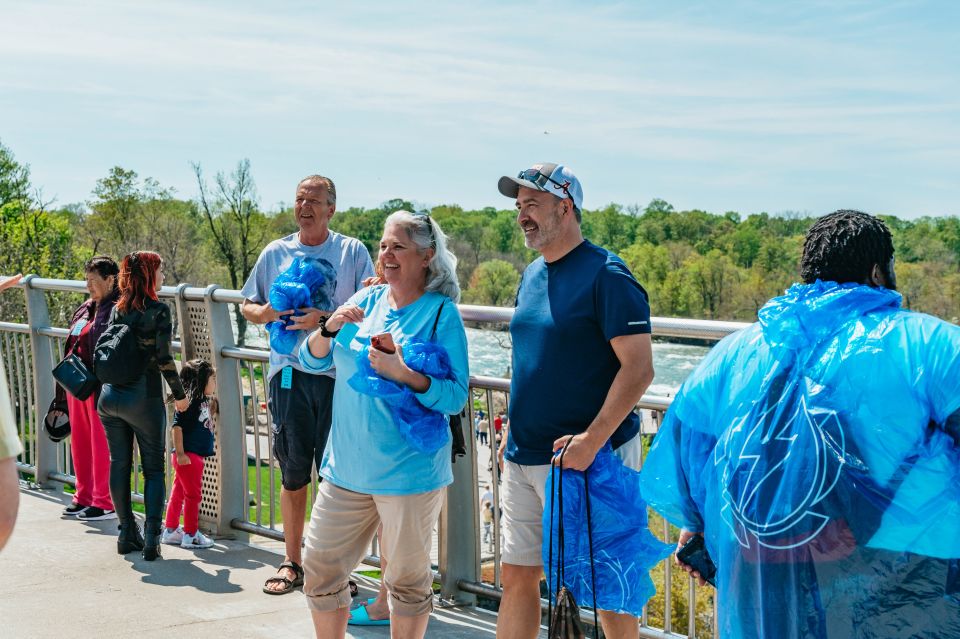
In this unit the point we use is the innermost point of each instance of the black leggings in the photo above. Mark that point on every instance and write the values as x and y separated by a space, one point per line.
127 412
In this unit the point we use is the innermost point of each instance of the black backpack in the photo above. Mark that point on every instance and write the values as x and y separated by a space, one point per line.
117 358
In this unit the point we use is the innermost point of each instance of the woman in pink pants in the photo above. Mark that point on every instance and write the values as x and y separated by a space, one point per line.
88 442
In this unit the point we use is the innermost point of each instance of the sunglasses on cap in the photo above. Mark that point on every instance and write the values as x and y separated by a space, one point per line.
538 178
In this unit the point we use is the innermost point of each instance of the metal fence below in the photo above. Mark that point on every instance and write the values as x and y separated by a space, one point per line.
241 491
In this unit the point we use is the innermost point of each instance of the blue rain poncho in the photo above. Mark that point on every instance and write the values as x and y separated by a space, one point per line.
818 450
624 550
426 430
293 289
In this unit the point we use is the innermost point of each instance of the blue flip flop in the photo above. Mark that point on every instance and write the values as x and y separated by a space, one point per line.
360 617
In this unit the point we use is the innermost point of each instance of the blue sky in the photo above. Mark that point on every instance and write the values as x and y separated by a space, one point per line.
747 106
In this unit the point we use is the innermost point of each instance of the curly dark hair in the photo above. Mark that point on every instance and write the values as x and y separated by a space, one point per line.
844 246
102 265
194 375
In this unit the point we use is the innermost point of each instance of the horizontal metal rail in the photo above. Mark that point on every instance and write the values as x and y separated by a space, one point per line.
711 330
277 535
12 327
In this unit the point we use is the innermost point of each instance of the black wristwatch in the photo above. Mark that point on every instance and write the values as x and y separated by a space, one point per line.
323 328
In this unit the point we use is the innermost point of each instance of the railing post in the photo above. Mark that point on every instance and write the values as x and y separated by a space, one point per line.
41 348
231 430
459 544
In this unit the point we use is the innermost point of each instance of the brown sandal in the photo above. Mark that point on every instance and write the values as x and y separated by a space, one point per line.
288 585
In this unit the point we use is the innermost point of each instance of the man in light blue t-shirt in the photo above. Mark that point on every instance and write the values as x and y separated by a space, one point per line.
301 402
582 359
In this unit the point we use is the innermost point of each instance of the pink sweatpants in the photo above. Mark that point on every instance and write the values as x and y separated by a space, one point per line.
91 456
185 496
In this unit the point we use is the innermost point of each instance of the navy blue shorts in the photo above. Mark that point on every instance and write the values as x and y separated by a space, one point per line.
301 424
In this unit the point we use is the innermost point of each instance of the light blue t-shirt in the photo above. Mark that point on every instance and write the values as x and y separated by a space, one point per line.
344 260
365 452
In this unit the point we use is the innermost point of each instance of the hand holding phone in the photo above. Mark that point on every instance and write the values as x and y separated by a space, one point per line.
384 343
694 554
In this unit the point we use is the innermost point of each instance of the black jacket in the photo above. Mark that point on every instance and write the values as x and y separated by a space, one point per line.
154 332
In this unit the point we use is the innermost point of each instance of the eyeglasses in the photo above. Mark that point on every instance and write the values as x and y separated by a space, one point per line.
538 178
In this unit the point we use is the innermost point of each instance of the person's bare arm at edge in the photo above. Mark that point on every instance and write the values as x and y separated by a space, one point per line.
635 353
9 498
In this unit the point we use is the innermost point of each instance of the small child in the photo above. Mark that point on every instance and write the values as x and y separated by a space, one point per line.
192 442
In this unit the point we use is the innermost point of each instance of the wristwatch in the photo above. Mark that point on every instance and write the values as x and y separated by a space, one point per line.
323 328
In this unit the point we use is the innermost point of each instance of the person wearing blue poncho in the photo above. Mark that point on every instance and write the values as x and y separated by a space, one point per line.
818 453
388 459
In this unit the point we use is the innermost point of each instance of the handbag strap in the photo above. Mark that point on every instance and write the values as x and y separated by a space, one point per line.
593 576
556 499
436 320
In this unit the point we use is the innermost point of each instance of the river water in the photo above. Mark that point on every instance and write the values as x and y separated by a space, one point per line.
490 356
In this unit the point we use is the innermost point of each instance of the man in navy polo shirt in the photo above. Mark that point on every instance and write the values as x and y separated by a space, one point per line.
582 359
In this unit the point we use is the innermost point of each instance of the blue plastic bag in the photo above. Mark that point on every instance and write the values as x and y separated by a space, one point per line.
426 430
818 450
293 289
624 550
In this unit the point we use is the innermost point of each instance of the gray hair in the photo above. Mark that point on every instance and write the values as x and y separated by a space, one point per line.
425 233
324 182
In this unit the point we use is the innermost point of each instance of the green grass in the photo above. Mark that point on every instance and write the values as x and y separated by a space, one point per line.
264 497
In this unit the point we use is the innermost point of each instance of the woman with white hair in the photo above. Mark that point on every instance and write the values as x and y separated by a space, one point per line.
376 467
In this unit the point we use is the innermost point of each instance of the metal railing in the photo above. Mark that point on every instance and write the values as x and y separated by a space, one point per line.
244 476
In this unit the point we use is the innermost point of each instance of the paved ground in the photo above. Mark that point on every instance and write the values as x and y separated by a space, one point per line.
62 578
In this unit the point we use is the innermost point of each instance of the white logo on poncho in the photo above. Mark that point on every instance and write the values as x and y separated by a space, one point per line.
777 473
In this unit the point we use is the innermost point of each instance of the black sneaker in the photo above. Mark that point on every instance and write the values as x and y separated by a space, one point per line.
74 509
92 513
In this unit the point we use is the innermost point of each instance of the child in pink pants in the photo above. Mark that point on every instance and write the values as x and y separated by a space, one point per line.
192 443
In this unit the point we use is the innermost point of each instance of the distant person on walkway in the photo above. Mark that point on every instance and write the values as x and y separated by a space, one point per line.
300 402
193 442
483 428
9 449
372 471
136 410
582 359
88 441
487 516
818 453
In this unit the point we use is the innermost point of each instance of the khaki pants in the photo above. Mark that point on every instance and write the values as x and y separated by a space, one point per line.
342 526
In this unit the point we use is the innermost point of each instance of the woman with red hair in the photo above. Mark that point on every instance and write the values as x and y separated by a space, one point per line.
136 409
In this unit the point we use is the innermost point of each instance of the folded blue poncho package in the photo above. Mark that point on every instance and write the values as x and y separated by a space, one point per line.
293 289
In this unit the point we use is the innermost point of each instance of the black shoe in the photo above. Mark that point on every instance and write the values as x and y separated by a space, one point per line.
151 540
92 513
130 539
73 510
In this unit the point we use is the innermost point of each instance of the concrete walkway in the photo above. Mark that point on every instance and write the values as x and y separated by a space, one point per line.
63 578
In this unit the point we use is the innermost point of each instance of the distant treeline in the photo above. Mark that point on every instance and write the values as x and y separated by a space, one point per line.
692 263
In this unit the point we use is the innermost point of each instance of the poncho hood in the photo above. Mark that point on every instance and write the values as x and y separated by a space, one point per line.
808 314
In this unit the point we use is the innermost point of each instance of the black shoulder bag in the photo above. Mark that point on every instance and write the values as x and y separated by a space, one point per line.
563 615
459 444
74 376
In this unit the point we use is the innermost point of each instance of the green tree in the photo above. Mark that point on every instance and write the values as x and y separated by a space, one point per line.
34 240
238 230
494 283
710 279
